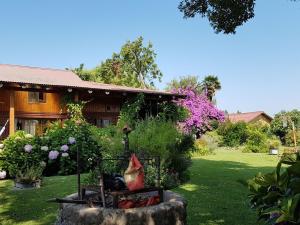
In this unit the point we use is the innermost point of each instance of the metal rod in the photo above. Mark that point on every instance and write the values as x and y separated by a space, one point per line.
294 134
78 174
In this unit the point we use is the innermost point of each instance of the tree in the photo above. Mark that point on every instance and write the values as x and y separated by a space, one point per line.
84 74
210 85
224 15
201 112
281 125
133 66
185 82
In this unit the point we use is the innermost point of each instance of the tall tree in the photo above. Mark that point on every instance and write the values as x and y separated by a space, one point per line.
133 66
224 15
188 81
210 85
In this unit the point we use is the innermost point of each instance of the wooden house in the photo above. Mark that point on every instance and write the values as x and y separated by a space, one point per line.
30 97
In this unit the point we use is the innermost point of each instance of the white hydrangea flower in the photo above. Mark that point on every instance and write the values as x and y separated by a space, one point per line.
65 154
28 136
2 174
44 148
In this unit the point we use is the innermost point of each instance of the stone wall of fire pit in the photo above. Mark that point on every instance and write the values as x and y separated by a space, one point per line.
171 212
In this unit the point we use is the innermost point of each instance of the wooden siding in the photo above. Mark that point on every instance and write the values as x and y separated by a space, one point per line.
4 100
51 106
103 108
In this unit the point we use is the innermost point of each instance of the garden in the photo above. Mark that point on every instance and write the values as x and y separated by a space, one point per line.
204 157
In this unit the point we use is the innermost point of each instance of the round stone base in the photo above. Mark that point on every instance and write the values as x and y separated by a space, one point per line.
170 212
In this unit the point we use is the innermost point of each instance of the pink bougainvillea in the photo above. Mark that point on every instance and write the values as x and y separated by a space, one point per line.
201 111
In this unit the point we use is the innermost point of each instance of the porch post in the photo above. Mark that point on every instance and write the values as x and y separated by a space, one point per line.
11 112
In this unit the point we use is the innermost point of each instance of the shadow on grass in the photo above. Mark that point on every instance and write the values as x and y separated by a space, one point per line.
217 192
30 206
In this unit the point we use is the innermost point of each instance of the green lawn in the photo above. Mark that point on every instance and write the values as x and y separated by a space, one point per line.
216 194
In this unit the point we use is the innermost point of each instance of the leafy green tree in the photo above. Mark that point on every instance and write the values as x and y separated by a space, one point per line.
224 15
184 82
210 85
84 74
281 124
133 66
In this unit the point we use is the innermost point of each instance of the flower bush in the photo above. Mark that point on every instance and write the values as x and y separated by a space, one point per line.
201 111
62 143
24 158
57 149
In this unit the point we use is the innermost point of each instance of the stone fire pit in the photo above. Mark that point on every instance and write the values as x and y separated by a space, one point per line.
170 212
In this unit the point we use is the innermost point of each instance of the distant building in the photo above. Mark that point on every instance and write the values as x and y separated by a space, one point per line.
251 117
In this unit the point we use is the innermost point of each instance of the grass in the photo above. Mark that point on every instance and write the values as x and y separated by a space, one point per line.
29 207
216 193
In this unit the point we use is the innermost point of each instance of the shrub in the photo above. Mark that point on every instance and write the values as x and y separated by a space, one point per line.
289 138
151 137
201 148
257 142
274 143
23 156
111 141
276 195
233 134
154 136
206 144
62 150
170 111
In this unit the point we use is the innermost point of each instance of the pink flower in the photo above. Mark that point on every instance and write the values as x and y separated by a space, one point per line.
201 111
53 155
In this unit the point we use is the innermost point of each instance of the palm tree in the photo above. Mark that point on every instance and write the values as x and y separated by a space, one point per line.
210 85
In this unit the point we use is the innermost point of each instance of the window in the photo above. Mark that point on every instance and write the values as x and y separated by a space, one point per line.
106 122
30 126
103 122
36 97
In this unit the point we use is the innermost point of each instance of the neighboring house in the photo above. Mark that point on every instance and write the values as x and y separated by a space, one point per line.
251 117
31 96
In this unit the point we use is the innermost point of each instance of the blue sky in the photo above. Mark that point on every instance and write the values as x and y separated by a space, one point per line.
259 67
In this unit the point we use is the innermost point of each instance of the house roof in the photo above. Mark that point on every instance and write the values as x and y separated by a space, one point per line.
247 117
60 78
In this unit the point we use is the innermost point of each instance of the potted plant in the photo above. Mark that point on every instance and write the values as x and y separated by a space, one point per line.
30 177
274 145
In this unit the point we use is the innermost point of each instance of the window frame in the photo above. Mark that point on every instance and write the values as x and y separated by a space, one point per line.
37 99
